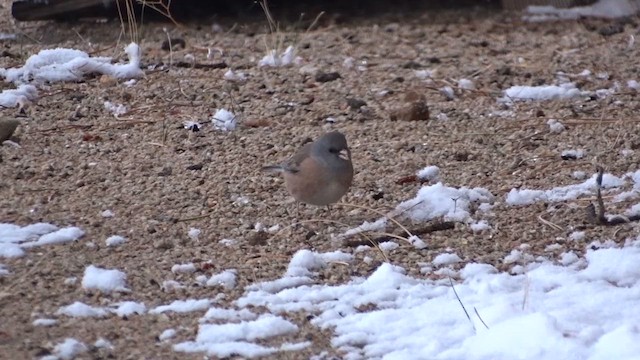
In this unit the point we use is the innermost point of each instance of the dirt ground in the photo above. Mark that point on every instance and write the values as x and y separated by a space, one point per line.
77 160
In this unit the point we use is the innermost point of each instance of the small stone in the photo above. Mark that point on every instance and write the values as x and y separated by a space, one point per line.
504 70
414 108
412 65
258 238
166 171
326 77
173 44
355 104
7 127
611 29
107 81
195 167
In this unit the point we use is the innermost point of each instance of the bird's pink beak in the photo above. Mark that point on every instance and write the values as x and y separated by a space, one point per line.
344 155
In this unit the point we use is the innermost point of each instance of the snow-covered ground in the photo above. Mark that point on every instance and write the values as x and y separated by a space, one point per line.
540 313
561 308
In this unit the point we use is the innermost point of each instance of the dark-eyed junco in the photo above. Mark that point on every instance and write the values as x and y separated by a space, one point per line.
321 172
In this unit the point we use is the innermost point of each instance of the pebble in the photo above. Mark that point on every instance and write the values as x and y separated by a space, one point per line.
7 127
414 108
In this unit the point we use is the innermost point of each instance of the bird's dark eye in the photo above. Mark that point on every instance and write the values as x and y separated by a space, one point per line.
334 151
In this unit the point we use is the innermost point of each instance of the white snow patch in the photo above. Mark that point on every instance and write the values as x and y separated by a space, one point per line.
104 280
403 324
226 279
227 242
562 193
272 59
216 314
447 92
634 210
82 310
224 340
424 74
167 334
577 236
183 306
568 258
452 204
466 84
183 268
446 259
57 237
15 239
442 117
555 126
479 226
128 308
44 322
433 201
10 250
388 246
429 173
236 76
572 154
417 242
626 152
579 175
304 262
56 65
115 240
224 120
115 109
103 343
194 233
21 96
69 349
171 285
543 92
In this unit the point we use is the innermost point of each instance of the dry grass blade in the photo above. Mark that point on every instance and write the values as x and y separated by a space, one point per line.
600 209
377 246
132 24
525 297
273 25
161 7
315 21
394 236
461 304
549 223
480 317
387 216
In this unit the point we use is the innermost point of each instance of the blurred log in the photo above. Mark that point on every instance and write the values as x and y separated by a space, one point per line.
71 10
32 10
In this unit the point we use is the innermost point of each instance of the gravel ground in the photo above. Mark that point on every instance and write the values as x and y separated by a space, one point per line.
77 160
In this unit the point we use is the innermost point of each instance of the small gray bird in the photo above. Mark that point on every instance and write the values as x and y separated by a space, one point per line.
321 172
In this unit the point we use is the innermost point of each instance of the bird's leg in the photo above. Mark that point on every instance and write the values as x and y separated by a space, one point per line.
329 210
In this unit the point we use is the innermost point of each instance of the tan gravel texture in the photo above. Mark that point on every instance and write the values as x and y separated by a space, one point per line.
77 160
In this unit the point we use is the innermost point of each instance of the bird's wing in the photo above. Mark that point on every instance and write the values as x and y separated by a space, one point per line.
293 164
